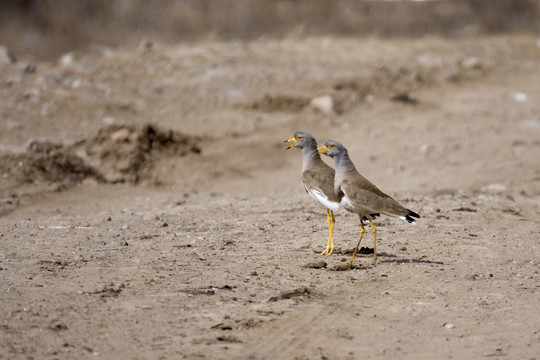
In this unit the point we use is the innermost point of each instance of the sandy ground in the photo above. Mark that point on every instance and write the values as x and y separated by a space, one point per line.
156 214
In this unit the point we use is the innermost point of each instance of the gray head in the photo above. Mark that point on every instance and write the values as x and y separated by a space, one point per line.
333 148
302 140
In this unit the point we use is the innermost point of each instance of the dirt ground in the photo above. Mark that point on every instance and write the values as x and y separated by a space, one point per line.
150 210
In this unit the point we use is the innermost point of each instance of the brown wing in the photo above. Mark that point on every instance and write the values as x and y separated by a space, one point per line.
320 176
368 198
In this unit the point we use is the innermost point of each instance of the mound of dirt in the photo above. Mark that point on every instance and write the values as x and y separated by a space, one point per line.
117 153
124 153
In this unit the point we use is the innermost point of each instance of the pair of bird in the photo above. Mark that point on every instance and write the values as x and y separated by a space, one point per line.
344 187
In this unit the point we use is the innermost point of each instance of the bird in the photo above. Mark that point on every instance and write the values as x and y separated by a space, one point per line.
358 195
318 179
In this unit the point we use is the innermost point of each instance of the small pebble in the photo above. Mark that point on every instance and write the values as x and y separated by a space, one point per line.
150 217
323 103
121 135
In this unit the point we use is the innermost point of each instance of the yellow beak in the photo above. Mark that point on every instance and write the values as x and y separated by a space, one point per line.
293 140
321 150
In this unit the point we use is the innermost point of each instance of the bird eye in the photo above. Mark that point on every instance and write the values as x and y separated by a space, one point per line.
299 137
331 146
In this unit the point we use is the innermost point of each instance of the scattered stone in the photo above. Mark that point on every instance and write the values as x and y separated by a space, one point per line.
427 149
67 59
119 136
494 188
57 325
89 181
107 120
229 339
316 265
449 325
198 291
520 97
222 326
110 290
346 266
323 103
28 68
288 294
512 212
472 63
145 45
42 145
150 217
405 98
497 352
465 209
6 56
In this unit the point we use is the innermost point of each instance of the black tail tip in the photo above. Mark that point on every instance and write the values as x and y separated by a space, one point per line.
410 215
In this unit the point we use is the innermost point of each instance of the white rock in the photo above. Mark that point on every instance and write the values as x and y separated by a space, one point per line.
324 103
121 135
108 120
67 59
494 188
520 97
472 63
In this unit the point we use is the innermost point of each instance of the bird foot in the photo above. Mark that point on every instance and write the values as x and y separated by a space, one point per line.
327 252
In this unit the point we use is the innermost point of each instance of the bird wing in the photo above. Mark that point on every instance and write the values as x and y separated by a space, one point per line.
319 184
365 198
318 195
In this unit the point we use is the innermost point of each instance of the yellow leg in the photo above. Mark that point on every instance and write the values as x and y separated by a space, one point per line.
330 220
351 261
374 242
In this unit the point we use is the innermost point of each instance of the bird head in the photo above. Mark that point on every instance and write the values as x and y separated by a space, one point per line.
302 140
332 148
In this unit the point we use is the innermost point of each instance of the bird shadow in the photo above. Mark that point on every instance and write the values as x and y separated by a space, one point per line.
383 257
409 261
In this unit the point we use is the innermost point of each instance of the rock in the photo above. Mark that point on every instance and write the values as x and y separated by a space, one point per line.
89 181
107 120
288 294
323 103
28 68
119 136
494 188
520 97
67 59
316 265
6 56
150 217
42 145
145 45
404 97
427 149
472 63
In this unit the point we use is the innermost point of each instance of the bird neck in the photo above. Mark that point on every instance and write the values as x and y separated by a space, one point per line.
343 163
309 155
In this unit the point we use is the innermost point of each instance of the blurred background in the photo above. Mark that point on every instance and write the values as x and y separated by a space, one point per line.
45 29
